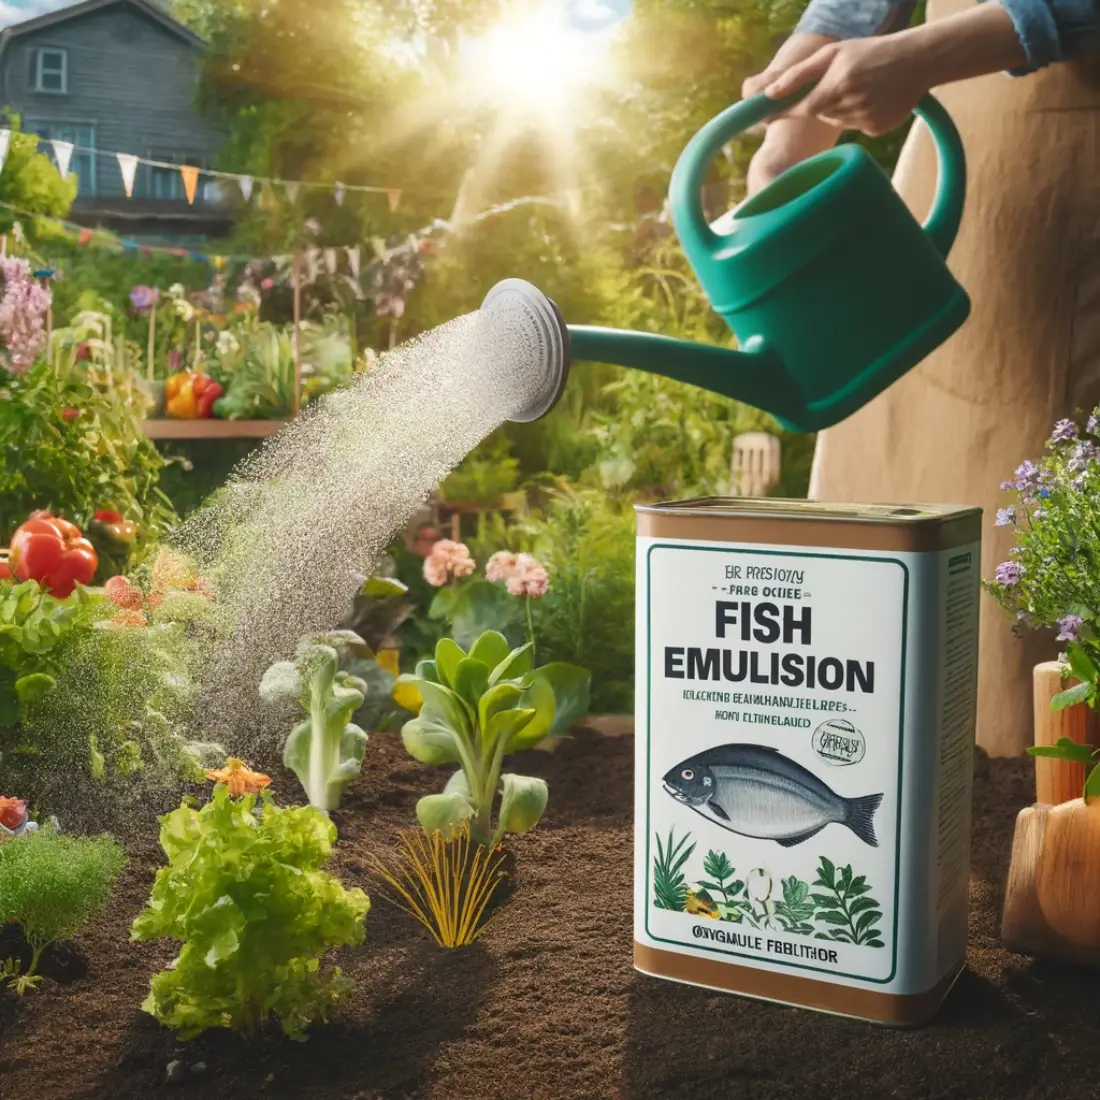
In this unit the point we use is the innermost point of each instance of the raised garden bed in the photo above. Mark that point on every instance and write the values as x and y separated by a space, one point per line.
546 1006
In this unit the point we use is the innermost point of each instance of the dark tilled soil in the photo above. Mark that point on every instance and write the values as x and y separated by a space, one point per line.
547 1006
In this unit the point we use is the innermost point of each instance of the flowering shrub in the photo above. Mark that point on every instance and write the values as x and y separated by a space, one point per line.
23 309
1051 578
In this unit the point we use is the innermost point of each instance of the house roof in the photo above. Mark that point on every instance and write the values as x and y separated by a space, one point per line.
85 7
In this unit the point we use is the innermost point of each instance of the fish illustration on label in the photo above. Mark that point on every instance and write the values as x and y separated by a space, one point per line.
758 792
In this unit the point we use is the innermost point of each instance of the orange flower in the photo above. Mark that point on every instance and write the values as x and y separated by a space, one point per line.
13 813
239 778
129 618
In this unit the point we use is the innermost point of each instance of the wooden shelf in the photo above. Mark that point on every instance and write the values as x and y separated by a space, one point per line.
171 428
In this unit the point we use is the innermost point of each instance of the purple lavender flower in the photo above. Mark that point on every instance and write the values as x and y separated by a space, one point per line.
1025 478
1070 628
1009 572
1093 426
23 305
1083 454
143 298
1080 482
1038 513
1064 431
1006 517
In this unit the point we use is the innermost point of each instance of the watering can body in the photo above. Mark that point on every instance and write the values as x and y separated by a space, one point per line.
831 287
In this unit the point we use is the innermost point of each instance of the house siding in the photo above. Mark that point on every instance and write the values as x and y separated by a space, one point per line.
129 77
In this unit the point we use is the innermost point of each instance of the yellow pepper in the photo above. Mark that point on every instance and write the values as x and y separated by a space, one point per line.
179 392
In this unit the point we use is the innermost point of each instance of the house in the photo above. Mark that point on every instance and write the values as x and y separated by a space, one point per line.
118 76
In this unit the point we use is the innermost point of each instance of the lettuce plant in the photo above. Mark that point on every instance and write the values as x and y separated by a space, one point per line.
325 750
472 709
245 893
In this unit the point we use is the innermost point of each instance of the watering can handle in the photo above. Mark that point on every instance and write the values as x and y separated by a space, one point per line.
686 188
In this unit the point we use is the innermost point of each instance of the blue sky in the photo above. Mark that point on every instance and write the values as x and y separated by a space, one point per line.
15 11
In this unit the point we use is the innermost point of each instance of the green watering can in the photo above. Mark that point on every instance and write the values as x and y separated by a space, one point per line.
831 287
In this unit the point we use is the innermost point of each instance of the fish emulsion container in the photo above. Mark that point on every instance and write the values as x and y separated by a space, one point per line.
806 693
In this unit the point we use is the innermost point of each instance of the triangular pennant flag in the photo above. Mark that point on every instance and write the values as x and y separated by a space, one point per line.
5 146
353 260
246 183
63 151
330 260
291 190
190 175
338 193
394 198
127 165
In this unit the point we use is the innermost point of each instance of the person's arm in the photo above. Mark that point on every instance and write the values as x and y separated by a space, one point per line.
1054 30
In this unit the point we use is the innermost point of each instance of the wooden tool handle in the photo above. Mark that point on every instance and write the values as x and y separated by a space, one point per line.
1058 781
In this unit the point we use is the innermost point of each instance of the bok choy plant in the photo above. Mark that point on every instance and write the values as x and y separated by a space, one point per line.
325 750
474 708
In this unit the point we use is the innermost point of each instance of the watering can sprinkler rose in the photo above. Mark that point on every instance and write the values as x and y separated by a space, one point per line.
831 287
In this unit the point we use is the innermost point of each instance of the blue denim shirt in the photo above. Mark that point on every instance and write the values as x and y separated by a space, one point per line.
1050 30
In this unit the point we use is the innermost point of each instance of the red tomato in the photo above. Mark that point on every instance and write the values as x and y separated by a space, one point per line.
53 552
13 813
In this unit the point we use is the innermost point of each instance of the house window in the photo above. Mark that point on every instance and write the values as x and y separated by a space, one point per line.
83 162
51 71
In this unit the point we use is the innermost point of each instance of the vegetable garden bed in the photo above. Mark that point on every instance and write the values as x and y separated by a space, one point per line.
546 1005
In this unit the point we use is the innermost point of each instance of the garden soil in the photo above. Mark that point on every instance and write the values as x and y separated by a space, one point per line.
546 1006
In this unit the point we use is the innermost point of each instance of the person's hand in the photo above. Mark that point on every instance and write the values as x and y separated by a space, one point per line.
867 84
797 48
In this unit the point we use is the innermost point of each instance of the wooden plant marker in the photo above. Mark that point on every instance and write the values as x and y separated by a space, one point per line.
1059 781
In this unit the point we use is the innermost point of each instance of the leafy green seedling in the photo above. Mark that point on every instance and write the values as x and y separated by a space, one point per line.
1066 749
325 751
472 709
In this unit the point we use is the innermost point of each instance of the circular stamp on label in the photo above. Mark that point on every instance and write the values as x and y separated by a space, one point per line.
839 742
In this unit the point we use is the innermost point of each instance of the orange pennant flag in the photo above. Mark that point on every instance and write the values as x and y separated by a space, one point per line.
190 174
394 198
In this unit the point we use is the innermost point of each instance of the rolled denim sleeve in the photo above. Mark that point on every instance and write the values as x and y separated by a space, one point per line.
845 18
1054 30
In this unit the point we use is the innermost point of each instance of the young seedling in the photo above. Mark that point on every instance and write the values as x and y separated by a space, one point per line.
325 751
472 709
1066 749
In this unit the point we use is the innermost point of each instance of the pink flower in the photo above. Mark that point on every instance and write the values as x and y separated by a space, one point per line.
528 578
23 307
500 566
448 561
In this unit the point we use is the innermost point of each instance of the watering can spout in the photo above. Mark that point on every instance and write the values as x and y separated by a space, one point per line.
753 375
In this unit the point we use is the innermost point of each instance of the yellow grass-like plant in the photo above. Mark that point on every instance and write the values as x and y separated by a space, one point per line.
445 882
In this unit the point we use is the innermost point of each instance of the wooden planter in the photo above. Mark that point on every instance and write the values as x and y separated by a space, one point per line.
1052 899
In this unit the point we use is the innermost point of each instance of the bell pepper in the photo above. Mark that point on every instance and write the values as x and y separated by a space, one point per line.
180 400
13 813
116 525
53 552
207 391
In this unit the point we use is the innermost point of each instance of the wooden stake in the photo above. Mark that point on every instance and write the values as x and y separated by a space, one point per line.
1058 781
151 355
296 397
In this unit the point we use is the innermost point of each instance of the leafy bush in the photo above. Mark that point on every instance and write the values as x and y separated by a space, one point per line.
51 886
88 689
587 615
473 709
486 474
326 750
76 465
245 893
1051 578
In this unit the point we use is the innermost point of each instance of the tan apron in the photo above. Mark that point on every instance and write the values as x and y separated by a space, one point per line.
1029 255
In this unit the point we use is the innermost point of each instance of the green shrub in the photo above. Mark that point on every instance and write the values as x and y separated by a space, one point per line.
245 894
51 886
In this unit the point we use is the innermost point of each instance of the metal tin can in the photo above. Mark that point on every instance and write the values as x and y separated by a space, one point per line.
806 691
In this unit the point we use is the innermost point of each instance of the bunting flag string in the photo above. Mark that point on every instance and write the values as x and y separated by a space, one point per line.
63 153
128 162
127 165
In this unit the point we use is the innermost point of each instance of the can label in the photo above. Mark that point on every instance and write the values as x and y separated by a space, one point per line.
774 775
